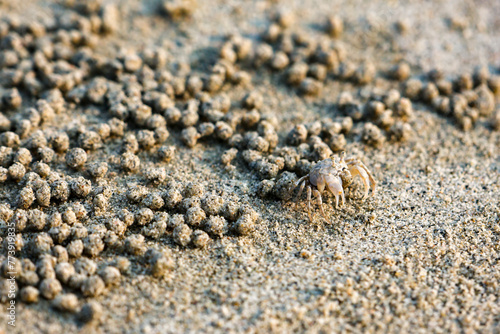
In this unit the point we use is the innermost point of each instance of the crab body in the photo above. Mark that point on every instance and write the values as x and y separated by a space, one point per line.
334 175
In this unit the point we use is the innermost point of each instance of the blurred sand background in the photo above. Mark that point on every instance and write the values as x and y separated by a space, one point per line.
420 256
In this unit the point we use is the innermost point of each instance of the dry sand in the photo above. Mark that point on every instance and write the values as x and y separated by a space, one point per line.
422 255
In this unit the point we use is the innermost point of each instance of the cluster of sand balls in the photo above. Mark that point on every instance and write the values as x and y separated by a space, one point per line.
383 115
387 112
306 61
64 243
192 215
62 206
178 9
64 221
466 98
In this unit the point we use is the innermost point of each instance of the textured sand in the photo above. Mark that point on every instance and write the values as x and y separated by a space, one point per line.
420 256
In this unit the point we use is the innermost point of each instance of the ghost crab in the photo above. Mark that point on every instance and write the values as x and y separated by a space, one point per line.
334 174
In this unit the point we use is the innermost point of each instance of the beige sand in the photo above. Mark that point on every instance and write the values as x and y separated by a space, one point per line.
420 256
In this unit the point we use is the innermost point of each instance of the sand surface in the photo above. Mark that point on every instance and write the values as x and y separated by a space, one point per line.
421 255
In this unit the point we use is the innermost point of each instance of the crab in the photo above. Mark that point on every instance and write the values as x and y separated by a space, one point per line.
334 174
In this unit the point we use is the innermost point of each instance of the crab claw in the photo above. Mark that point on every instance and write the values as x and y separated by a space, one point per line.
366 177
334 184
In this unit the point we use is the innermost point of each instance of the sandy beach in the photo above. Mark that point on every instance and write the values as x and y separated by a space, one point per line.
149 152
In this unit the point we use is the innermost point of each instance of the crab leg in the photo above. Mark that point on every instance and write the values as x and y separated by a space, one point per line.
309 202
373 183
342 193
302 185
320 202
299 181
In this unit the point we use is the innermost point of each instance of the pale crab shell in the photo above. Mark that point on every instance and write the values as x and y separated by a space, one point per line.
334 174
